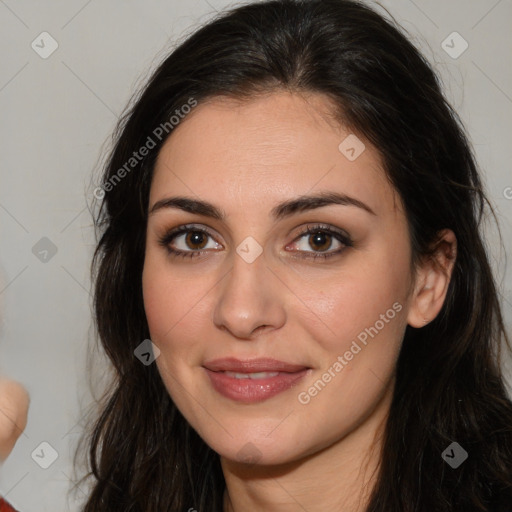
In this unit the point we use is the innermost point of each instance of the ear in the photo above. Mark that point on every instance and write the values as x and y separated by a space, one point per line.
432 280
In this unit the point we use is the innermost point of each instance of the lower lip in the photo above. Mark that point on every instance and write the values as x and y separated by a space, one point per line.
254 390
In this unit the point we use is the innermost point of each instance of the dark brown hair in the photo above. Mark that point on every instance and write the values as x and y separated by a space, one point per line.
143 454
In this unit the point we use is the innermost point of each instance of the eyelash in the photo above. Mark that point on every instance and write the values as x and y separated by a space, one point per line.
310 229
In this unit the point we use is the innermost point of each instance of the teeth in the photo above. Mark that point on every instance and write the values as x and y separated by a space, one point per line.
259 375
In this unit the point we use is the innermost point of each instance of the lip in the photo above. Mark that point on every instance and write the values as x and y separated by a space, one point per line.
253 390
264 364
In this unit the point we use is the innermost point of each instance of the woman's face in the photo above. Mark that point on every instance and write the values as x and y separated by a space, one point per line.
252 284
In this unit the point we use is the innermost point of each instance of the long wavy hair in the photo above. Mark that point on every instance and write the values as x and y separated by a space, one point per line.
142 454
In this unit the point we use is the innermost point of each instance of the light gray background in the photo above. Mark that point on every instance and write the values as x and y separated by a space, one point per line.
56 115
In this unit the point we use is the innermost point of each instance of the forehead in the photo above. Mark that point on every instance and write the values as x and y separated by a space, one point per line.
266 149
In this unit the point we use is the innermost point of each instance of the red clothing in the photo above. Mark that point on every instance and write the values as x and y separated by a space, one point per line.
5 507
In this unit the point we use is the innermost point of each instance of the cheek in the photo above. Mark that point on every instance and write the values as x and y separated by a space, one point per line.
168 303
358 326
368 295
358 322
167 298
176 305
159 304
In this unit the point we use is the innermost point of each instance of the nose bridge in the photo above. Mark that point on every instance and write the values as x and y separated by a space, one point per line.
248 298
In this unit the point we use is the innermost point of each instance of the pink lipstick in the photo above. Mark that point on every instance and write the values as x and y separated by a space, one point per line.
254 380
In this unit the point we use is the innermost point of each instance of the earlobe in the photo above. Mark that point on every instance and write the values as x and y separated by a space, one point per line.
432 281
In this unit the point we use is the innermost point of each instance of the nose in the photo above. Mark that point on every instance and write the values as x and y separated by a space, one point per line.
250 298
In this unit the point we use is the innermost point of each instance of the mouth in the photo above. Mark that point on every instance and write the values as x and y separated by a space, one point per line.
260 365
254 376
254 380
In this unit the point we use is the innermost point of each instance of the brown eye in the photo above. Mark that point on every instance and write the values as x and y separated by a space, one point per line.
316 240
187 241
194 238
320 241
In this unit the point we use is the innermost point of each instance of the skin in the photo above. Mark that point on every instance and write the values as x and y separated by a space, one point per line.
245 157
14 402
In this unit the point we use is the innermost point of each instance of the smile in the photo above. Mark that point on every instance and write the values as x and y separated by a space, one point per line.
253 387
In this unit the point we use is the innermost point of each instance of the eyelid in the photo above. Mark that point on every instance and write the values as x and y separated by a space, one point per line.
172 233
340 235
189 227
318 226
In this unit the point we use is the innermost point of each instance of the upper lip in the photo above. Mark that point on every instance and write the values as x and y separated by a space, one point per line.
265 364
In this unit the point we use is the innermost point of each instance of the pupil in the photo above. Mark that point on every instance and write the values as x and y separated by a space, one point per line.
195 238
319 239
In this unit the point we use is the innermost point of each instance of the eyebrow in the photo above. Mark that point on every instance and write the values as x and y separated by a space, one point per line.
282 210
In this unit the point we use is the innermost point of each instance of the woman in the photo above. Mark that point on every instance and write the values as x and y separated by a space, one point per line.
290 281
